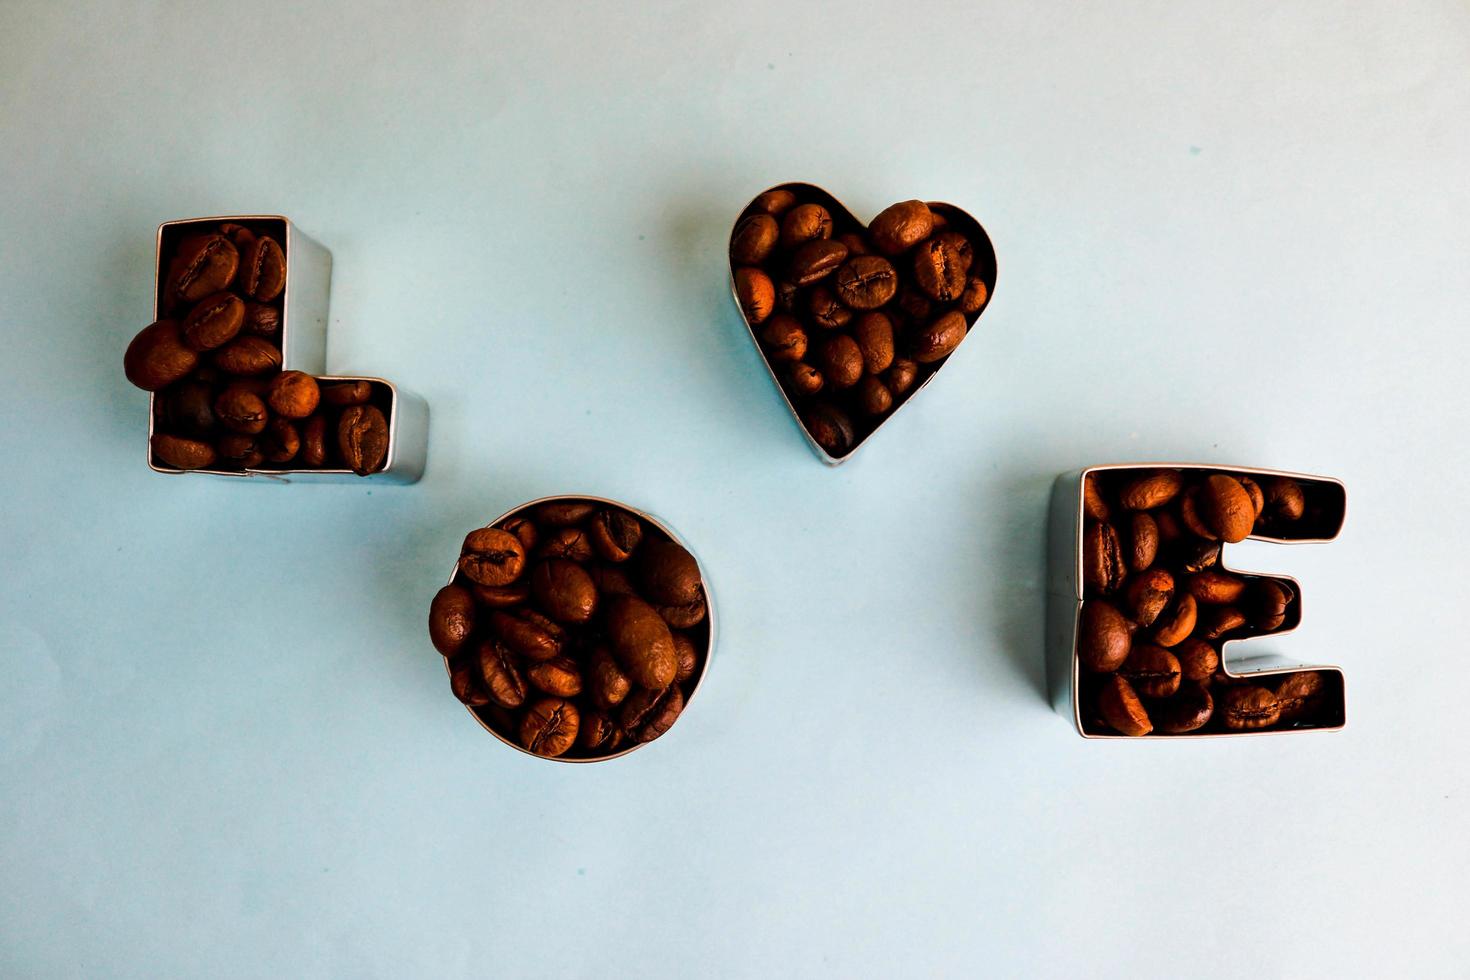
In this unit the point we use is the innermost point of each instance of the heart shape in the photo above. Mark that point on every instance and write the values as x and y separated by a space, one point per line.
854 320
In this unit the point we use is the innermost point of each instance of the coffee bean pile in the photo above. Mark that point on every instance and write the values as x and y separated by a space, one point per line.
854 319
214 363
573 629
1158 604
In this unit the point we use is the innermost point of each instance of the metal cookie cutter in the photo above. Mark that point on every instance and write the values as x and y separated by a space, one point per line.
1069 685
303 344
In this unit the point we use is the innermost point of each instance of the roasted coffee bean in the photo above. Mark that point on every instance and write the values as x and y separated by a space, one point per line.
362 438
528 633
564 513
1093 505
1265 603
1200 555
1214 587
1254 491
873 396
467 682
939 339
606 680
669 574
1173 626
899 227
293 394
827 310
784 338
188 409
959 245
1299 694
804 223
549 727
239 235
866 282
1188 711
558 676
262 269
610 580
214 320
239 452
344 393
491 556
503 679
157 356
181 453
685 616
247 355
1103 569
901 375
816 260
646 714
1216 621
939 270
239 409
1249 707
856 244
571 543
874 335
786 296
524 529
1103 637
451 619
1143 541
688 658
1151 490
280 442
1148 594
615 534
563 591
502 596
1170 528
1190 517
1226 507
775 203
262 319
805 380
314 441
841 361
914 304
1198 661
830 428
598 733
756 293
754 239
1153 671
975 296
1121 708
1284 499
641 642
203 264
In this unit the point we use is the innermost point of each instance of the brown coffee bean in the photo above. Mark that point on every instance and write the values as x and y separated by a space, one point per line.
558 676
1299 694
1198 661
641 642
181 453
1266 602
467 682
826 310
939 339
1143 541
1103 637
914 304
1170 528
549 727
939 270
571 543
1153 671
1216 621
564 513
830 428
262 269
669 574
1200 555
503 679
1187 711
239 235
606 680
598 733
314 441
688 658
804 379
804 223
239 452
646 714
610 580
248 354
1150 490
1121 709
1148 594
756 293
899 227
1093 505
874 335
1103 569
214 320
1174 626
239 409
901 375
816 260
1284 499
1226 507
856 244
188 409
959 245
345 393
754 239
873 396
528 633
786 296
451 619
203 264
523 528
157 356
362 438
841 361
975 296
262 319
1214 587
784 338
502 596
866 282
686 616
1254 491
293 394
563 591
776 202
615 534
280 442
1190 517
1249 707
491 556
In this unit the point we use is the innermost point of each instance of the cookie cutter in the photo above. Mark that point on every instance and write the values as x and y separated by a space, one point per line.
303 344
983 264
706 628
1065 595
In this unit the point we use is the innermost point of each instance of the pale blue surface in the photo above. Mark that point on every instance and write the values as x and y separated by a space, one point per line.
226 747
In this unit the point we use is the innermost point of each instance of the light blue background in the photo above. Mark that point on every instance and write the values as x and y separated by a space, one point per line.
226 746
